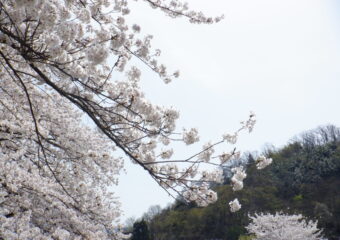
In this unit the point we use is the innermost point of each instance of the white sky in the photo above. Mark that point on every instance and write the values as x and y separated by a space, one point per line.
280 59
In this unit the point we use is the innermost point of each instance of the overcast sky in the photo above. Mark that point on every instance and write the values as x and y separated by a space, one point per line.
280 59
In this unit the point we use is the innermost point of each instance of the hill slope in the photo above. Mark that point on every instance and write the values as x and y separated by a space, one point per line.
304 178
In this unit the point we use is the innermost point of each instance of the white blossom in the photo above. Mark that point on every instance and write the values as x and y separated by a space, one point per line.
262 162
176 74
191 136
234 205
232 139
238 177
136 28
97 54
72 110
239 173
283 227
237 185
212 176
61 234
206 153
202 195
166 154
250 123
224 157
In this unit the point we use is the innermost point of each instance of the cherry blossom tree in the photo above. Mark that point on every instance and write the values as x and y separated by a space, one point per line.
283 227
66 125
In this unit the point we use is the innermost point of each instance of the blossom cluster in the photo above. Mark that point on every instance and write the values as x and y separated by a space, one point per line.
263 162
234 205
237 179
281 226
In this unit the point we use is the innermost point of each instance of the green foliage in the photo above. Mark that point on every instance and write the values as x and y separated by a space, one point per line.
298 197
246 237
304 178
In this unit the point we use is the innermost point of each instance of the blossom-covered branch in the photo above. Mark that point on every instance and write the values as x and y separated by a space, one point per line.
57 60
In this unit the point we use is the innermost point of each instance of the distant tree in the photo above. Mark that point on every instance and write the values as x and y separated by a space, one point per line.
283 227
140 231
128 226
152 212
319 136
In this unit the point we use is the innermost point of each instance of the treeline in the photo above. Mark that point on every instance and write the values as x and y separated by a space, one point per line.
303 178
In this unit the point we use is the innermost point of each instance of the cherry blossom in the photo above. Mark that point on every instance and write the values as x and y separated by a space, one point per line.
263 162
66 126
283 227
234 205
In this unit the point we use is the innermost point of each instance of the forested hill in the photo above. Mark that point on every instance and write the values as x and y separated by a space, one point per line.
303 178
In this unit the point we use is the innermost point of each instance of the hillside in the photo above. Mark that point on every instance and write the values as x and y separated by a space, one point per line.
304 178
